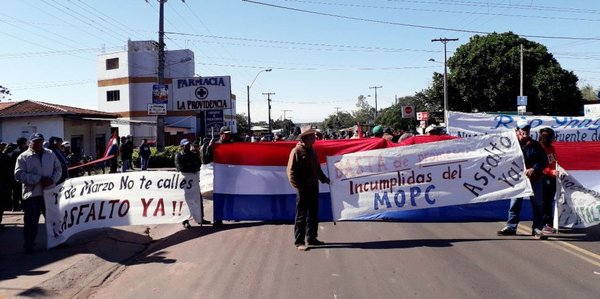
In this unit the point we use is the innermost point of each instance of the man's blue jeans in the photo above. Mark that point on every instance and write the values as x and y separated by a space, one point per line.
537 205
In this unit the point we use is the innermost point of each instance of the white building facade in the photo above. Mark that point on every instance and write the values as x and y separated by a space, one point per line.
125 86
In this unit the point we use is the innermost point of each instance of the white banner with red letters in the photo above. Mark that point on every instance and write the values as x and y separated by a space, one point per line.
453 172
131 198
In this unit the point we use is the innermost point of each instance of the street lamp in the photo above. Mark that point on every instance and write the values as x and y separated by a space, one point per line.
248 94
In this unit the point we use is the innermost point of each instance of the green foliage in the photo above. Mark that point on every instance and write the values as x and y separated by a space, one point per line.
338 121
165 159
285 124
589 93
242 123
392 116
364 114
4 93
484 75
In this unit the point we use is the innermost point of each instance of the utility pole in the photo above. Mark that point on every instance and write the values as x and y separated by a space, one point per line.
375 87
269 94
521 89
160 119
284 111
445 41
284 118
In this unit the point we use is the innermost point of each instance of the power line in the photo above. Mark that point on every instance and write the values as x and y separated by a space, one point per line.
444 11
412 25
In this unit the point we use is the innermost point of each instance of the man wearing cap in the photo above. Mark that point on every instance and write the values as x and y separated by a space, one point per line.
304 174
188 161
207 151
378 131
37 169
535 162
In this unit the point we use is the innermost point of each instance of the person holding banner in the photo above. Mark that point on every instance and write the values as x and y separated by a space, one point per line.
188 161
535 162
37 169
546 139
304 174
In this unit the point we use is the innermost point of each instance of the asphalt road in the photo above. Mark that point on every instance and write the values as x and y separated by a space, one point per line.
360 260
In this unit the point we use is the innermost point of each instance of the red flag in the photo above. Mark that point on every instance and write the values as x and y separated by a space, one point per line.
113 140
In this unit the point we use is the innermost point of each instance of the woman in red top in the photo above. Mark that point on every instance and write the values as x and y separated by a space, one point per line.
546 139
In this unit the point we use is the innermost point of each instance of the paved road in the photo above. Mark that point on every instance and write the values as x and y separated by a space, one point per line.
361 260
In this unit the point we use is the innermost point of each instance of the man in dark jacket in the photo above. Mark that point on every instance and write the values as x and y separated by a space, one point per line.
535 162
17 188
304 174
144 152
188 161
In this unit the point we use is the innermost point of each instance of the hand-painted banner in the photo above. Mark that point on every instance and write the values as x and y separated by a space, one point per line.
578 205
132 198
567 128
453 172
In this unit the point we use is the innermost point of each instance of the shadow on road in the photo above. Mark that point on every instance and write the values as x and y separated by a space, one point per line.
109 244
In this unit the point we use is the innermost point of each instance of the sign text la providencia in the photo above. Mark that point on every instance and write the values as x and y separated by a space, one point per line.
201 93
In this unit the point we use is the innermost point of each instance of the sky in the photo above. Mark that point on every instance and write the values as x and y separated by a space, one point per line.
323 53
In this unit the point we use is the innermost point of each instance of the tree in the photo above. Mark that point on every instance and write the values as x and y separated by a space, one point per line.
242 123
364 114
392 116
589 93
484 75
285 124
4 93
338 121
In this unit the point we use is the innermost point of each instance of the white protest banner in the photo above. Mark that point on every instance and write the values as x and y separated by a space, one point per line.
567 128
131 198
453 172
578 206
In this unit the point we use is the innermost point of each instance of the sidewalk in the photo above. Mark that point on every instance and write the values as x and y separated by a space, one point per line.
84 261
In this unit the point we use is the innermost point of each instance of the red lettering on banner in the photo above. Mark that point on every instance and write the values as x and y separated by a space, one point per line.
145 206
160 207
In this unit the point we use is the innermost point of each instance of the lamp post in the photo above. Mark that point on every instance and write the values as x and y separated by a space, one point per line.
248 94
445 41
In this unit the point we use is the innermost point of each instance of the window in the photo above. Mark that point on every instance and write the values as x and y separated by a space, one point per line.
113 95
112 63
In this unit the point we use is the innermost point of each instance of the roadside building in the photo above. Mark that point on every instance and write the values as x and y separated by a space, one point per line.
128 85
87 130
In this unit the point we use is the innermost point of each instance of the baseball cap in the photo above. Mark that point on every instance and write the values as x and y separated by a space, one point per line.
522 124
378 129
36 136
225 129
184 141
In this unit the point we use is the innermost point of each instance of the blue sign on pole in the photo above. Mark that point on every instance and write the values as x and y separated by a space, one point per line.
213 121
521 100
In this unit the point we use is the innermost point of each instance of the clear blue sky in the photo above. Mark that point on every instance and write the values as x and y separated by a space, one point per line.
324 53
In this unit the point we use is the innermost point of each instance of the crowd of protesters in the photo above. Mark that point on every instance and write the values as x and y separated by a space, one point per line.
17 183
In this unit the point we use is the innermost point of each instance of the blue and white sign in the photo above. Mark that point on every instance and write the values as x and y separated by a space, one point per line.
213 121
521 100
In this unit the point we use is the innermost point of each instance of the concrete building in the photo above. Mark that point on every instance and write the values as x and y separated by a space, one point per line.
125 86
